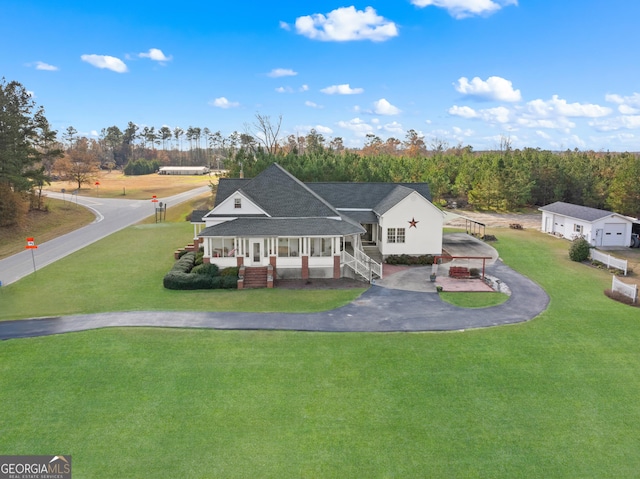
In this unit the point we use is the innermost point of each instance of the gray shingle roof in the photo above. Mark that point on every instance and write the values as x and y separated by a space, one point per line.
282 195
227 186
362 195
261 227
584 213
196 216
396 195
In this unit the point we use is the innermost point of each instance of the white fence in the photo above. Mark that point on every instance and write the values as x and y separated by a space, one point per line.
630 290
609 260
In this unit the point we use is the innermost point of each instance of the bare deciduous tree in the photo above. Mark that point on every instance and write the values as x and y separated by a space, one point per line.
267 132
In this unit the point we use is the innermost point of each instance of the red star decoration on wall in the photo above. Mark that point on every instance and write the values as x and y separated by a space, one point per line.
413 223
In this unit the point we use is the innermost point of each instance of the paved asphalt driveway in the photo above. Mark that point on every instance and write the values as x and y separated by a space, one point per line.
378 309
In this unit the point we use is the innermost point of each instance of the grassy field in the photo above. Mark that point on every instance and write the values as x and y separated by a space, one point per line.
474 300
64 216
124 272
117 185
554 397
61 218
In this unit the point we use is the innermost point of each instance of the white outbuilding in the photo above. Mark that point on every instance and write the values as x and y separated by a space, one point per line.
183 170
598 227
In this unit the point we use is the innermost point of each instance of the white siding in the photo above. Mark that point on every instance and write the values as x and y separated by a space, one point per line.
424 238
228 206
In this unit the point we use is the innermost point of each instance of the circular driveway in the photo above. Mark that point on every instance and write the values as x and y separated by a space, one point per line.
378 309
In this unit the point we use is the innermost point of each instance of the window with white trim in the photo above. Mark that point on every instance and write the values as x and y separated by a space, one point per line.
577 229
320 246
396 235
288 247
237 203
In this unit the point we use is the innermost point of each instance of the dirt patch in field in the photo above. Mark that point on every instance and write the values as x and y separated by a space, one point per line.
498 220
117 185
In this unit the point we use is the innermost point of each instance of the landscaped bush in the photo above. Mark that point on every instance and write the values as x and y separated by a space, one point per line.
199 257
185 275
422 260
579 250
206 268
233 271
474 272
185 263
185 281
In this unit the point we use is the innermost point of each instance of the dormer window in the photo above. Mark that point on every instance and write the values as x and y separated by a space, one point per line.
237 203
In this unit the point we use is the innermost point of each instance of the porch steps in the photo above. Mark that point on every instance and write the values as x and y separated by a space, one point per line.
255 277
373 252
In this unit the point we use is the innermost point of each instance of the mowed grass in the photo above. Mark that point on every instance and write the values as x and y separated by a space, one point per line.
124 272
553 397
61 218
474 299
116 184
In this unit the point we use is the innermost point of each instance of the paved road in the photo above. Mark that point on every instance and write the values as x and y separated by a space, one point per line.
377 309
111 215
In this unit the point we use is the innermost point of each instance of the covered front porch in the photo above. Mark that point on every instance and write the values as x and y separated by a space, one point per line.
292 257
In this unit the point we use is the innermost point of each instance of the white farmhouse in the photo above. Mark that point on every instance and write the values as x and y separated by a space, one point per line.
316 230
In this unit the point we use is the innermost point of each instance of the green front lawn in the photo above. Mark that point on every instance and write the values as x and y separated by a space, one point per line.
124 272
553 397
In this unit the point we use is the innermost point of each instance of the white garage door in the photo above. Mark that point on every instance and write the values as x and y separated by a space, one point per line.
614 235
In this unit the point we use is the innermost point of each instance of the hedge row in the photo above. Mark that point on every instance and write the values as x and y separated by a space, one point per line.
425 259
185 275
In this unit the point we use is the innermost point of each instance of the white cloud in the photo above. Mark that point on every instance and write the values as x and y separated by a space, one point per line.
495 88
356 125
393 127
285 26
543 134
304 88
627 105
466 8
341 90
558 106
105 61
558 123
628 110
45 66
323 130
633 100
627 122
463 111
283 89
281 72
498 114
346 24
222 102
383 107
312 104
156 55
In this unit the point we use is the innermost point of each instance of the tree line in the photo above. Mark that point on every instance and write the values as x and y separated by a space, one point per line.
32 154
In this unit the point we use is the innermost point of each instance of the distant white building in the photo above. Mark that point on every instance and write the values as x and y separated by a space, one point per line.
598 227
184 170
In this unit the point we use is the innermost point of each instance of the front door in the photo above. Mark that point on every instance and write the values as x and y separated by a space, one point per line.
256 252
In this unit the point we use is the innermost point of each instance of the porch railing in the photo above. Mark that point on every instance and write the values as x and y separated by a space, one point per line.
362 264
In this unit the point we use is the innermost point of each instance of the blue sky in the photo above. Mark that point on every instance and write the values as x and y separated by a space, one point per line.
553 74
